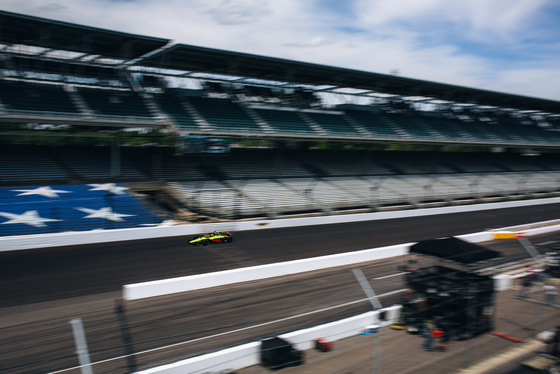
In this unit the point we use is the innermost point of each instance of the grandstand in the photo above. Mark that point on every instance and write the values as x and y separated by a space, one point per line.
321 149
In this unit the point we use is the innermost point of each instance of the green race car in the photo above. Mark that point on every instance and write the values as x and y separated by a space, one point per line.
211 238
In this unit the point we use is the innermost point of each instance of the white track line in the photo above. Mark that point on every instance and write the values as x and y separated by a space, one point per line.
547 243
390 276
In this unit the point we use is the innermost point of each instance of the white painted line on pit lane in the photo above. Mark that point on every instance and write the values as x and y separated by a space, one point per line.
231 332
389 276
547 243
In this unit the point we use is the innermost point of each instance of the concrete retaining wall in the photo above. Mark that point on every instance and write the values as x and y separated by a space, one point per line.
345 328
232 358
200 281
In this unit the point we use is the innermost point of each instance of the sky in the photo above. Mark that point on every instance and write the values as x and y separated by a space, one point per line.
510 46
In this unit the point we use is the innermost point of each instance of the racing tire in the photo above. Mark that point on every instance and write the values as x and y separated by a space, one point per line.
205 243
229 240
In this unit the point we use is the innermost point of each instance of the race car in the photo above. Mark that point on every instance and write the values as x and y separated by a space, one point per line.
211 238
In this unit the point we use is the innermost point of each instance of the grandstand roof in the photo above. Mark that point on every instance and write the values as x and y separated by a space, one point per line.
40 32
61 67
208 60
34 31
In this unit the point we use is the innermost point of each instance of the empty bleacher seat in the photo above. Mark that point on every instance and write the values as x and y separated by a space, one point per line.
224 114
252 182
36 97
333 124
373 123
24 163
95 163
285 121
111 102
174 106
408 123
256 163
217 198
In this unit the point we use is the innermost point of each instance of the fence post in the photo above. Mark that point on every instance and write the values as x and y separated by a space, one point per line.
81 346
126 336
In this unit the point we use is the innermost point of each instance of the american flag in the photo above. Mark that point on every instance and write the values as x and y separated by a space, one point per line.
48 209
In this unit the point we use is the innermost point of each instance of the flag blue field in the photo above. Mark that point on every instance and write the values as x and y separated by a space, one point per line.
50 209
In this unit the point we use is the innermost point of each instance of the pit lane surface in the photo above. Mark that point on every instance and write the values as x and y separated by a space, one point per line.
96 274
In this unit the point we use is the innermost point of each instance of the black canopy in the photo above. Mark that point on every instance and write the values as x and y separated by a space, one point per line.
455 249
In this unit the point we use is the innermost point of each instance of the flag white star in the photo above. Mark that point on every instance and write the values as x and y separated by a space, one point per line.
106 213
110 187
31 218
46 191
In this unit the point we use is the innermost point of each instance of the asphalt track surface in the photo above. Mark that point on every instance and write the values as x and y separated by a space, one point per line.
72 271
43 289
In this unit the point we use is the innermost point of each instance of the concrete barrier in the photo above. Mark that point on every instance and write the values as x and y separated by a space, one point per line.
232 358
103 236
520 231
200 281
541 230
345 328
503 282
249 354
477 237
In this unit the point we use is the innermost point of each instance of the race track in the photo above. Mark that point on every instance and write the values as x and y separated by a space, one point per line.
43 289
84 270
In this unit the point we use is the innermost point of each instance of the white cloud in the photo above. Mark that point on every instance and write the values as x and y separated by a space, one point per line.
477 19
500 45
527 82
231 12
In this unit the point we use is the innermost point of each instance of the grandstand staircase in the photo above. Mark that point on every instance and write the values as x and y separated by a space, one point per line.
413 201
396 128
255 117
79 102
421 123
314 125
238 189
459 130
211 172
347 191
167 202
361 129
198 118
308 195
490 134
312 168
156 111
